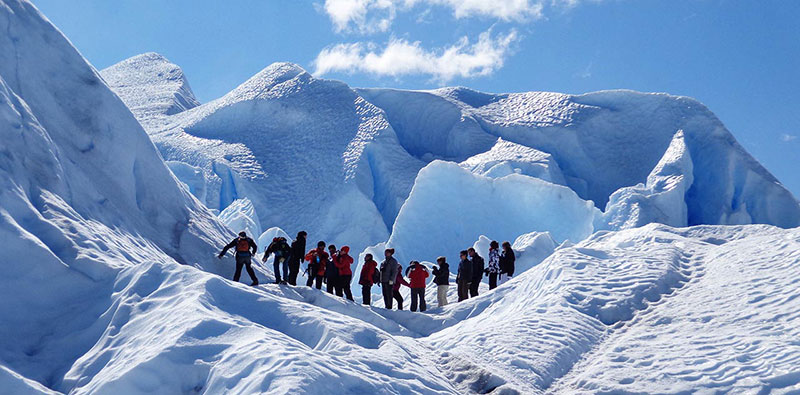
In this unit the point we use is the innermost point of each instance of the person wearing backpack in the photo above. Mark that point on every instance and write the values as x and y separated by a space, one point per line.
243 245
493 270
417 274
477 272
317 260
332 271
281 249
298 251
343 264
369 276
464 276
390 269
507 259
441 277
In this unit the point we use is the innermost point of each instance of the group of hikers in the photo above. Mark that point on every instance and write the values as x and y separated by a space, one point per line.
333 268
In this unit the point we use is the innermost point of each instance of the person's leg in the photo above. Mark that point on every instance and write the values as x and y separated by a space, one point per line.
422 305
310 281
251 272
348 293
366 294
276 269
337 283
238 273
319 281
473 288
492 280
398 298
414 297
460 290
443 295
386 290
294 268
331 284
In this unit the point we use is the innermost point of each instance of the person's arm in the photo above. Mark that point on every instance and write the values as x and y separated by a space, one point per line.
227 247
253 245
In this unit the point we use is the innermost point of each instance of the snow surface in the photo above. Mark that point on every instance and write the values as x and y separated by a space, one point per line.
110 282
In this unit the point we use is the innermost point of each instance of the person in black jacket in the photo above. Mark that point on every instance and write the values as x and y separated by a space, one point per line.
464 277
478 265
243 246
281 249
296 256
441 277
507 260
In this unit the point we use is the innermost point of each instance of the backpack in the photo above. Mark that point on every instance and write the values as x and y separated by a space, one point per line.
242 245
376 276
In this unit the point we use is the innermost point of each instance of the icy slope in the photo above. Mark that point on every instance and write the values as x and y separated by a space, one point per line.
152 87
308 153
601 141
83 194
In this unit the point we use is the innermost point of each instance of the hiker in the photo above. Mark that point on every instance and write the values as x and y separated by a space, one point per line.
389 271
477 272
464 277
332 272
441 277
507 259
243 246
343 263
417 274
493 270
317 260
369 275
398 281
281 249
298 251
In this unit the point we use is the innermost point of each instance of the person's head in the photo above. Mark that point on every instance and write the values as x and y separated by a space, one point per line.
345 250
301 234
242 234
464 254
321 245
275 239
388 252
413 263
331 248
441 260
506 245
368 258
493 245
471 252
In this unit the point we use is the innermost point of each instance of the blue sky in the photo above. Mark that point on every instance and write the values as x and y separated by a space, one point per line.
741 58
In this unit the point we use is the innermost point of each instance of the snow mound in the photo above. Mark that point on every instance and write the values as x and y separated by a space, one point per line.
241 216
662 199
308 153
450 207
508 158
151 86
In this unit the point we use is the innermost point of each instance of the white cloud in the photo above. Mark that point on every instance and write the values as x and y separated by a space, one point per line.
401 57
370 16
788 137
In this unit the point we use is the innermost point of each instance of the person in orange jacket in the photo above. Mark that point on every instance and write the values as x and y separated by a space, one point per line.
417 273
368 278
343 263
317 260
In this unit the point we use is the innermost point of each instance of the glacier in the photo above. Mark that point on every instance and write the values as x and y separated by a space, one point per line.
664 267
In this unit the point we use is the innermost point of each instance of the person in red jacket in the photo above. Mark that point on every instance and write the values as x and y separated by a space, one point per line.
317 259
398 281
368 278
417 274
343 263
